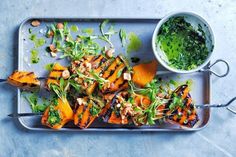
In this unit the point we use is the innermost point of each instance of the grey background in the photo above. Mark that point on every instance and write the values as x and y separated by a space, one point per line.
218 139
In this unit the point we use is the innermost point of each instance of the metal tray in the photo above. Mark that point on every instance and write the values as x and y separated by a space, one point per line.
201 89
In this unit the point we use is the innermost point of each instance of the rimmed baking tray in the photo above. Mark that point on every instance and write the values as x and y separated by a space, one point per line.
200 90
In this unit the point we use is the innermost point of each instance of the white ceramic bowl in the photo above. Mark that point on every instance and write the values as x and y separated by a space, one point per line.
194 20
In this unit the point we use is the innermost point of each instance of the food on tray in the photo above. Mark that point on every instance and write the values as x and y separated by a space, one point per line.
144 73
58 71
24 80
57 114
98 85
185 112
35 23
183 45
88 109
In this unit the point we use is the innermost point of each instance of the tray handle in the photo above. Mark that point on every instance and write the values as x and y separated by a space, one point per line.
228 105
208 69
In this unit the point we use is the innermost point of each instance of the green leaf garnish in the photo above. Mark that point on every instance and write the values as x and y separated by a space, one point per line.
123 37
35 106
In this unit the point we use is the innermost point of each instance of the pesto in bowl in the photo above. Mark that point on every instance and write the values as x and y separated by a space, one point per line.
183 42
184 46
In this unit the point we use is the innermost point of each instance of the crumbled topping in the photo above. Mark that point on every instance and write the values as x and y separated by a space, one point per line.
66 74
127 76
80 101
60 25
109 53
35 23
53 54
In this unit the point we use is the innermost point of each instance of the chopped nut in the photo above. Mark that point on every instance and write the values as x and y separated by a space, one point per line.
53 54
50 34
79 80
77 62
88 65
60 25
160 95
66 74
67 38
52 48
80 101
35 23
127 109
127 76
127 104
118 105
85 84
109 53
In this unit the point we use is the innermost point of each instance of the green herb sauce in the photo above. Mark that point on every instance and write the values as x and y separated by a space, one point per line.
38 42
184 47
49 66
34 56
134 42
53 116
74 28
88 31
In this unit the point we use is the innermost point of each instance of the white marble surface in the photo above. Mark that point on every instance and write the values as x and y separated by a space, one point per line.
218 139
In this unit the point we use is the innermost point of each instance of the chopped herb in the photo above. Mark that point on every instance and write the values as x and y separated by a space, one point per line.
123 37
134 43
53 116
94 110
74 28
176 101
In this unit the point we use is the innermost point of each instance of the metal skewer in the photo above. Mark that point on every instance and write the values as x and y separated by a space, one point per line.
17 115
219 105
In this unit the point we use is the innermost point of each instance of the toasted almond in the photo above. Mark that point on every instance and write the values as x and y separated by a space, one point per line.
127 76
52 48
60 25
50 34
118 105
35 23
66 74
109 53
88 65
80 101
53 54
